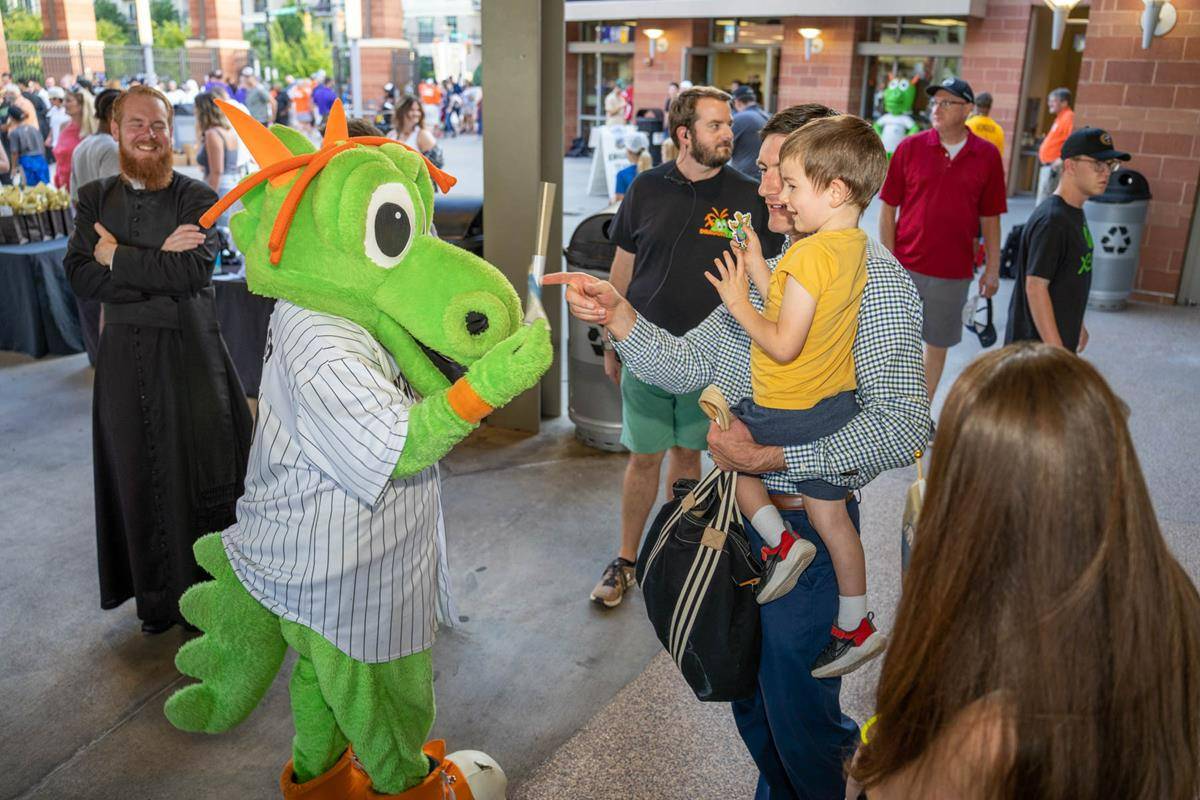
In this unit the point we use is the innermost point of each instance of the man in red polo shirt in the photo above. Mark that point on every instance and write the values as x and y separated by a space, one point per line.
948 184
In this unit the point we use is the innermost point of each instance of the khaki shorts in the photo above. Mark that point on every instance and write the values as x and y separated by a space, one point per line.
943 299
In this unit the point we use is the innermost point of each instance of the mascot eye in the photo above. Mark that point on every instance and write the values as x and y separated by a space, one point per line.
391 225
893 84
902 85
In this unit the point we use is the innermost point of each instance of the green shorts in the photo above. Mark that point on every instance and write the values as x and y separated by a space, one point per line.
654 420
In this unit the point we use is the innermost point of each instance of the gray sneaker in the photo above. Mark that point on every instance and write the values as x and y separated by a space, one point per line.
618 577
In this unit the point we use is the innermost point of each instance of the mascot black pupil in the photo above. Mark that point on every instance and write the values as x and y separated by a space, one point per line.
392 229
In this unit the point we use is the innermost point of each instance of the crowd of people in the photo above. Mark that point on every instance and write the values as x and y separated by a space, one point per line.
1046 642
978 696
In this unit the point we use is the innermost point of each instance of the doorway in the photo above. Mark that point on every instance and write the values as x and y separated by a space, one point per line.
721 66
1046 70
598 73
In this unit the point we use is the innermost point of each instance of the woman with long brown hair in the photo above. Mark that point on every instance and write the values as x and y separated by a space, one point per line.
408 127
1047 644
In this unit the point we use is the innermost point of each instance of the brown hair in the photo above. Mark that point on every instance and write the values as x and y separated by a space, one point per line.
141 90
1040 583
793 118
683 108
842 147
208 114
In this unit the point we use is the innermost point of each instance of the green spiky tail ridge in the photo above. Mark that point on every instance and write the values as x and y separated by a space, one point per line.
238 656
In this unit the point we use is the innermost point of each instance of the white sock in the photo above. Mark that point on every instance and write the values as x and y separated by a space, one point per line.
769 524
851 611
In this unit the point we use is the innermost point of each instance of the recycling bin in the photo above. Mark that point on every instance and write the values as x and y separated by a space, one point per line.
1116 220
594 401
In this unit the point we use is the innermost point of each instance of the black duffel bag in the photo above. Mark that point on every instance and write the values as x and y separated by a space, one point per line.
698 574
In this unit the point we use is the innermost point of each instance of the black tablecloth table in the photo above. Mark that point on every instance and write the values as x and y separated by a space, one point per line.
243 317
37 307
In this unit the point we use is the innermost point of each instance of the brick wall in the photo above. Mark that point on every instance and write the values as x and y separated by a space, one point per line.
68 20
650 81
385 20
994 61
832 76
1150 101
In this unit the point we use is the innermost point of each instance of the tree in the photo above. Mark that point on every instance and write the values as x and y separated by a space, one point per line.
170 34
162 11
107 11
110 32
303 52
21 26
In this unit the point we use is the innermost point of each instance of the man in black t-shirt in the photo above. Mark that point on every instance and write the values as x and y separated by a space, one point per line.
672 224
1054 261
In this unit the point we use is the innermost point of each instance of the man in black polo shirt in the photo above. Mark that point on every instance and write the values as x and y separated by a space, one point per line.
671 225
1054 262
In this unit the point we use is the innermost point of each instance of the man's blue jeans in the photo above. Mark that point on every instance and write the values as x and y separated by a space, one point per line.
794 726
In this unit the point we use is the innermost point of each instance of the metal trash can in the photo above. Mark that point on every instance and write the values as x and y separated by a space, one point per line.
1116 220
459 221
594 402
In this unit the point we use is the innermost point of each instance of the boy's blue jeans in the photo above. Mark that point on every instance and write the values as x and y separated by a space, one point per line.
794 726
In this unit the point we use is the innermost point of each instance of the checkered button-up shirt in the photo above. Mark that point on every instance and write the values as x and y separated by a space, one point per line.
893 423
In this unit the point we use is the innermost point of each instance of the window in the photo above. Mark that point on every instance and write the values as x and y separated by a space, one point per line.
747 31
452 28
917 30
610 32
424 30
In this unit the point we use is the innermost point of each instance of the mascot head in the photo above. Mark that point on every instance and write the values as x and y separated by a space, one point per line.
899 96
345 230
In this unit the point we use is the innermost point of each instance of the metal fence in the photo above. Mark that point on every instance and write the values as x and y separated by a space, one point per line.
40 59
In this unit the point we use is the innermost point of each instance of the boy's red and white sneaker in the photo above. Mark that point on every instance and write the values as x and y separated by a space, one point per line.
782 566
849 650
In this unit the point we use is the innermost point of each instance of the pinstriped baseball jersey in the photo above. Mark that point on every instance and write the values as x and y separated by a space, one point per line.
324 536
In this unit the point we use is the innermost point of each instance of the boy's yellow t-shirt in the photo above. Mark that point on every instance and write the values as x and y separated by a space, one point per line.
832 267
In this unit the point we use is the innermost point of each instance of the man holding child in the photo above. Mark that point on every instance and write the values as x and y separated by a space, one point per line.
793 726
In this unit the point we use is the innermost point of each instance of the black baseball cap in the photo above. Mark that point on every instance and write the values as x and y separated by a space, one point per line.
1093 142
745 94
955 86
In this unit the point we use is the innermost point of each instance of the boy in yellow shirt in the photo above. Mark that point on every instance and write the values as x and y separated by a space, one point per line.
801 361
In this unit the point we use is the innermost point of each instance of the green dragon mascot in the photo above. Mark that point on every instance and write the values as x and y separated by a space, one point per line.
386 348
896 122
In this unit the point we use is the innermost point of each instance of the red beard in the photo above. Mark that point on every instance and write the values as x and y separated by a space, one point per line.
153 170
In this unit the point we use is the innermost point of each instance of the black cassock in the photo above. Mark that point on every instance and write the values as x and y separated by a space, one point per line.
170 424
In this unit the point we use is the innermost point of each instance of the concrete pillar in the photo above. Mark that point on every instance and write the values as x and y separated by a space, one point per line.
522 146
217 26
69 28
384 49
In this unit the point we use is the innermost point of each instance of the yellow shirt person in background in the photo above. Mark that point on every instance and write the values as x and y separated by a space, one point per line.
802 363
982 124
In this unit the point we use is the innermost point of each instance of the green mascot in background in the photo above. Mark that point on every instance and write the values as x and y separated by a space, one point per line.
386 348
896 122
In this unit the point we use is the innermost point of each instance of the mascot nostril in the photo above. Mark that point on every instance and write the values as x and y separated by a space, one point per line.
476 323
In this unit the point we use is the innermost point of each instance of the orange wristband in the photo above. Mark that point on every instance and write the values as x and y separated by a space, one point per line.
466 403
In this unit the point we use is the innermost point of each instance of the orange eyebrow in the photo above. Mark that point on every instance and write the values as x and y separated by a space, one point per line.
314 162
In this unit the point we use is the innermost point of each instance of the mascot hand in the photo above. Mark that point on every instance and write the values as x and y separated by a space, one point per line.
513 365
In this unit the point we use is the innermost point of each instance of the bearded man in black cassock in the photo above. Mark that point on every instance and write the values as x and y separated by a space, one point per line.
170 423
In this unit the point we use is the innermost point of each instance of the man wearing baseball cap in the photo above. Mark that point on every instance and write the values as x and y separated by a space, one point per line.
1054 261
947 184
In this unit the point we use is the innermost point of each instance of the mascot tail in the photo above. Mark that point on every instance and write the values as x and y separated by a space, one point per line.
237 657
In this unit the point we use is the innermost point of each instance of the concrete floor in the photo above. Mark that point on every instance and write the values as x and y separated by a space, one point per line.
575 702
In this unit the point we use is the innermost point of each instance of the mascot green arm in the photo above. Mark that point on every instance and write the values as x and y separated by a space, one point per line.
509 368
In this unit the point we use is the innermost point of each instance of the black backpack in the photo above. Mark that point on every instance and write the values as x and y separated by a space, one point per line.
1008 256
